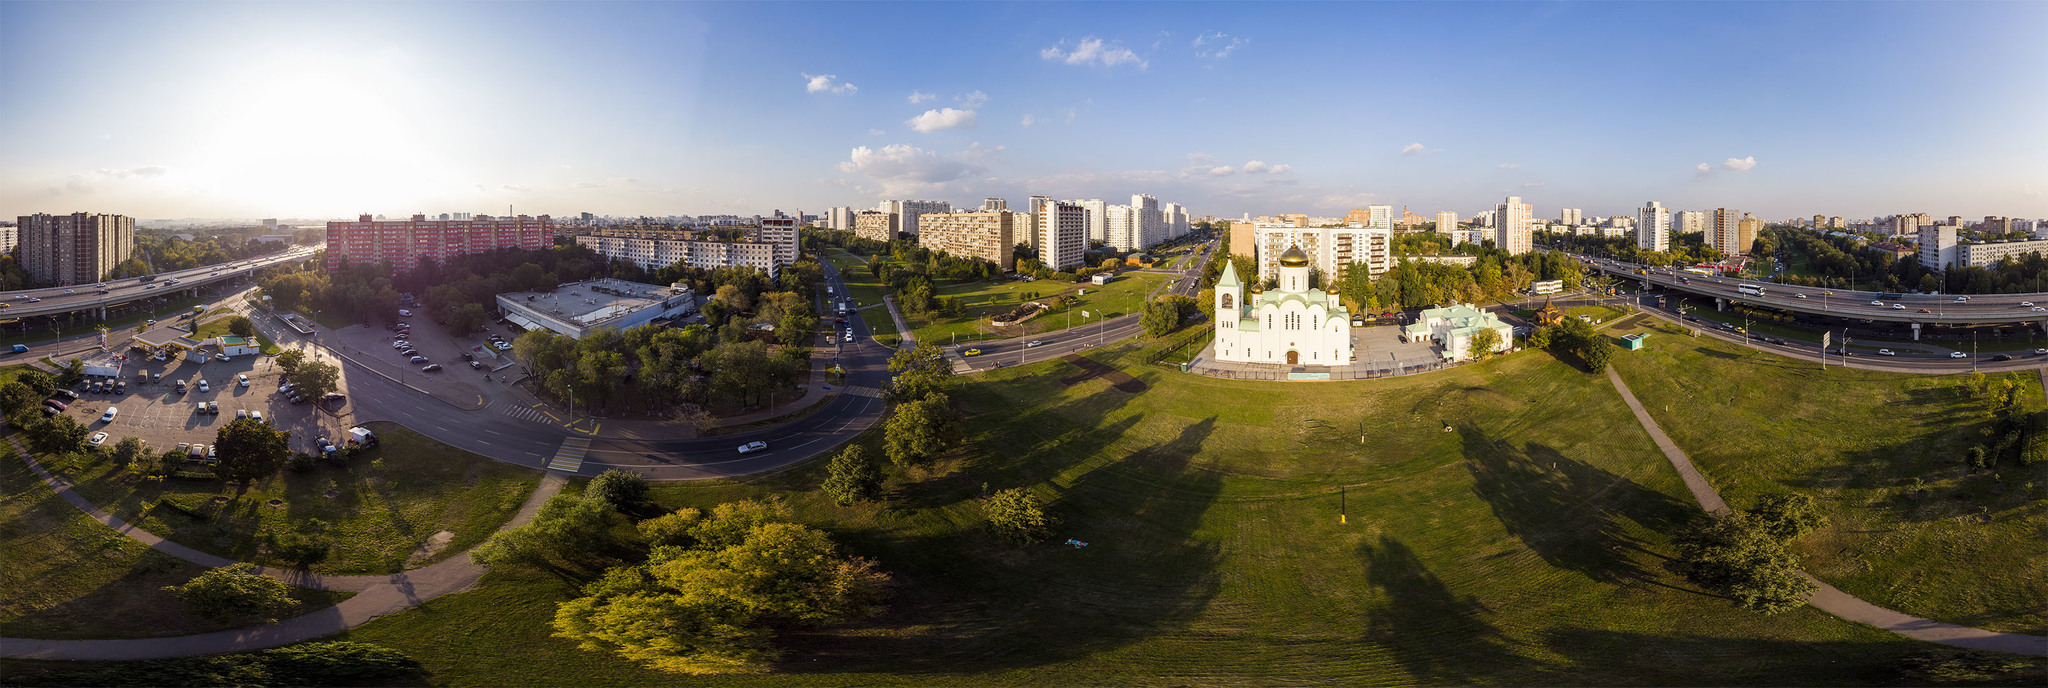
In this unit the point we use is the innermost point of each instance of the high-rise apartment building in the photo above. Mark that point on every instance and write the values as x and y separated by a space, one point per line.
840 218
1511 232
990 236
1748 229
1820 221
876 225
1098 218
404 243
1120 228
1146 221
1653 227
1725 231
10 237
768 248
1937 247
1576 216
1691 222
994 204
1243 239
1335 251
1446 221
79 248
1379 216
907 212
1358 216
1062 235
1995 225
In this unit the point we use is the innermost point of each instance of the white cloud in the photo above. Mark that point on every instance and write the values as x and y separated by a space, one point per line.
943 118
876 132
1029 120
152 171
974 100
905 168
1531 185
1509 166
1739 164
1216 45
1702 171
823 83
922 97
1223 171
1070 115
1419 149
1092 50
1703 168
1255 167
1281 169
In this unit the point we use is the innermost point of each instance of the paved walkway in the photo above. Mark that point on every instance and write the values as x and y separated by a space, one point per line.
1826 597
902 328
375 595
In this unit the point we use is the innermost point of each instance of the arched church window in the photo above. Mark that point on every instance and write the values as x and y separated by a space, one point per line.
1229 302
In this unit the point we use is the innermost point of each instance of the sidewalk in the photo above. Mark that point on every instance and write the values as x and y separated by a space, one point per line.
1826 597
375 595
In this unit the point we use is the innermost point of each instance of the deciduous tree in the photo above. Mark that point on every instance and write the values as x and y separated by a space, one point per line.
920 430
235 591
854 477
1016 515
250 449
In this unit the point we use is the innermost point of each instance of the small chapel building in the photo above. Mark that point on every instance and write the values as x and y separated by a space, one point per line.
1293 324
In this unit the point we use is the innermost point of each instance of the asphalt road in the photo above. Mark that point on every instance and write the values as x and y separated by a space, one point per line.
85 296
492 432
1018 351
1945 309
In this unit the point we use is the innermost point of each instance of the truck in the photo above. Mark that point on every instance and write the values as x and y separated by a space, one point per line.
146 278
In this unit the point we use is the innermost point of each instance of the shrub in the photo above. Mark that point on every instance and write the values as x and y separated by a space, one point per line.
619 489
1016 515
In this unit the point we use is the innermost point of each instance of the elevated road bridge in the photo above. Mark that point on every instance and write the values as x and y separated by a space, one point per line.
1916 310
28 303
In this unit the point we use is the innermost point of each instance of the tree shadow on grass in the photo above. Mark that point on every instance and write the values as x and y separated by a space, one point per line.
1608 657
969 604
1014 450
1920 479
1435 635
1567 511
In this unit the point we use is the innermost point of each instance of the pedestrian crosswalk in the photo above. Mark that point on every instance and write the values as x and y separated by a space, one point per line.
527 413
570 456
864 392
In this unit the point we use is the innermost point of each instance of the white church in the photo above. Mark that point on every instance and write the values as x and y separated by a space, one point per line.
1293 324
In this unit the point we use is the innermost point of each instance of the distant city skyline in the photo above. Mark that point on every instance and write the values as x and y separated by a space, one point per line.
218 110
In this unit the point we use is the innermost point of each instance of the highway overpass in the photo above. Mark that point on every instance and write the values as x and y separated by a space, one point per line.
1913 309
87 297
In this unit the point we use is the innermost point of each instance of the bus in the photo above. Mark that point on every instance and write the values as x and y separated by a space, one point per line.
1890 295
1751 290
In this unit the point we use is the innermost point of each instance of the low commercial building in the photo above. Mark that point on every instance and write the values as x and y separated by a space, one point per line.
579 307
1452 327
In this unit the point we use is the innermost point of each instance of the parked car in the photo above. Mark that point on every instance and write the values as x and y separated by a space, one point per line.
203 387
256 416
181 386
476 365
55 404
2001 357
419 359
331 397
753 446
120 386
108 417
431 368
241 414
98 438
242 380
213 408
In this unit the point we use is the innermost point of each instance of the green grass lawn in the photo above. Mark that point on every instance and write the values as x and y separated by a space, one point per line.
1499 523
1861 441
981 300
866 290
383 506
64 575
119 327
1601 313
219 326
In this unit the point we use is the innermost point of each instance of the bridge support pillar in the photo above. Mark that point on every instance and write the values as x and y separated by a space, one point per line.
1916 332
1720 304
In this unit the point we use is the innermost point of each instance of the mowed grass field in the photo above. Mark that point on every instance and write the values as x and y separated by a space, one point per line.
64 575
1500 523
981 300
1969 551
378 510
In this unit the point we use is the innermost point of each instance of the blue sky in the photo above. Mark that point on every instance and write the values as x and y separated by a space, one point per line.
316 110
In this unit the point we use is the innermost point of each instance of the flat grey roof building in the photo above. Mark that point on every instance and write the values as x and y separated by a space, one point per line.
579 307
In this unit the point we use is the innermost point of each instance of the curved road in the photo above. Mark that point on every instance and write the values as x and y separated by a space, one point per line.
86 296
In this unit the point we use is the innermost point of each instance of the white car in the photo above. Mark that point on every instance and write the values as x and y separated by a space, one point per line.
221 357
1800 295
1957 354
1033 343
2026 304
1879 304
256 416
98 438
403 313
203 387
1885 352
242 380
1962 299
108 417
753 446
1898 306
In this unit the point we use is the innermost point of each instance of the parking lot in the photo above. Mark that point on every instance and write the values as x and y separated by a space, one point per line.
162 417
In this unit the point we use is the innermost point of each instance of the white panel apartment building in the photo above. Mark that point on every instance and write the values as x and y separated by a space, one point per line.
1062 235
1653 227
907 212
1446 222
1511 226
768 250
840 218
1332 250
1120 228
1937 246
1098 218
1145 217
1690 222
